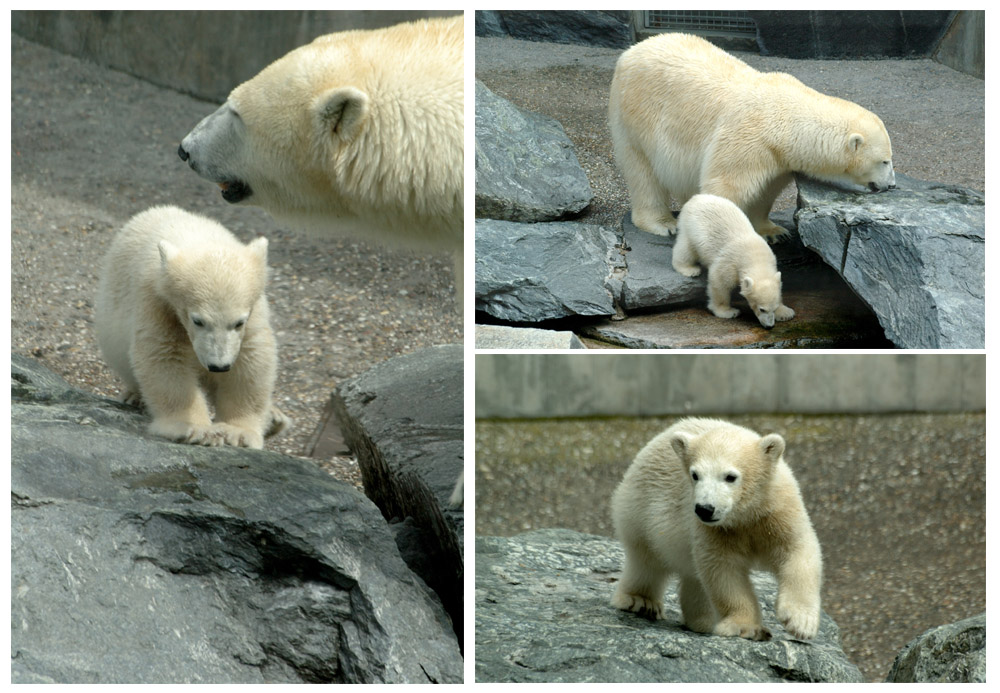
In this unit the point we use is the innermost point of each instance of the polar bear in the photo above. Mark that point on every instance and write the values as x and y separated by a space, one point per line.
708 501
714 232
182 318
687 117
358 132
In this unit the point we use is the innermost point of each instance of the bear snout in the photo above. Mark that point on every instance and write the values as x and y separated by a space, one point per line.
219 368
705 513
182 153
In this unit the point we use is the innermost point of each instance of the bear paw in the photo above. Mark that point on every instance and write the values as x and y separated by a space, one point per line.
726 312
184 432
645 607
773 233
238 437
277 422
750 631
800 623
688 270
782 313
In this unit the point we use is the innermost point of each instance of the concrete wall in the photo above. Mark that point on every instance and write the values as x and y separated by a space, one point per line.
963 47
562 385
205 54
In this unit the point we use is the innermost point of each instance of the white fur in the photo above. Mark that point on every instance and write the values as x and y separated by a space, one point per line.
182 318
358 132
687 117
708 501
713 232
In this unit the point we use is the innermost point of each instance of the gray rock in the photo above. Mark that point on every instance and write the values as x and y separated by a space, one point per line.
955 653
915 255
500 337
543 614
526 168
609 28
488 23
136 560
535 272
404 421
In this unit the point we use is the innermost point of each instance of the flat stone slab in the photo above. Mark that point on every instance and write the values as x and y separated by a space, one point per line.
915 255
828 316
543 615
501 337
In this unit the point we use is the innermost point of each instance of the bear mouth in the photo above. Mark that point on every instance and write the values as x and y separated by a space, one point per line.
234 191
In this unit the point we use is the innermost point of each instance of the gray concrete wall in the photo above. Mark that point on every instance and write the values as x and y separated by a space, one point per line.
562 385
963 47
205 54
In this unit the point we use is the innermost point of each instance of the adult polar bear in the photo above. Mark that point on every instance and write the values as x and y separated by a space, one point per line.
687 117
359 132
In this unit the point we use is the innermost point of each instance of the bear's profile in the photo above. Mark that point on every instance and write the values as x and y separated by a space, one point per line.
687 117
358 132
713 232
708 501
182 318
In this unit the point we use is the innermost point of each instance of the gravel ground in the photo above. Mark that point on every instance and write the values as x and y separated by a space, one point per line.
935 116
898 502
90 147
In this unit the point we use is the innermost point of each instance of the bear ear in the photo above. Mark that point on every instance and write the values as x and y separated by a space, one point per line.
855 141
341 111
746 284
681 443
168 251
258 247
772 447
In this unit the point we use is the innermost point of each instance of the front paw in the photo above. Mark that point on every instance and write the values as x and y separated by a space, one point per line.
725 312
645 607
773 233
184 432
800 623
750 631
237 436
688 270
782 313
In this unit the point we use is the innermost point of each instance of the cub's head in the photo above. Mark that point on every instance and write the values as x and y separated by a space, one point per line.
763 292
729 471
213 294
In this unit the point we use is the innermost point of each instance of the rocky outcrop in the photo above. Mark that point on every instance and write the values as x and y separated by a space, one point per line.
543 615
526 167
955 653
136 560
403 420
609 28
915 255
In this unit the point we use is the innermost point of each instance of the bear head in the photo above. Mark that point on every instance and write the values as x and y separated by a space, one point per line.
763 292
212 293
730 472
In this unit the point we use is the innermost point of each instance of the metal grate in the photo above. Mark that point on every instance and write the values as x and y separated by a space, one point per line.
720 23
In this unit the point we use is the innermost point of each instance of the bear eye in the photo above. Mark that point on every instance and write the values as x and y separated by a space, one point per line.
694 475
730 478
239 324
198 322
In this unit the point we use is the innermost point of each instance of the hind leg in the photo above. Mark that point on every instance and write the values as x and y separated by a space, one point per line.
684 259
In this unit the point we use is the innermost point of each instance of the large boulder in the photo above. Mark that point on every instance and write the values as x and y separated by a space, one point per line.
137 560
535 272
404 421
526 167
543 615
610 28
955 653
915 255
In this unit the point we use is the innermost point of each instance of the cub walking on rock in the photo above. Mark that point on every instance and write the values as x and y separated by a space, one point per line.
714 232
708 501
182 318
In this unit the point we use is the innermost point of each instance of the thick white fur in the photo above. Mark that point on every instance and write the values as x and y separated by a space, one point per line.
687 117
358 132
708 501
713 232
182 318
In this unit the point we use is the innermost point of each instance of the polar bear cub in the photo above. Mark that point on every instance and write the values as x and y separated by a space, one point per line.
714 232
687 117
182 318
708 501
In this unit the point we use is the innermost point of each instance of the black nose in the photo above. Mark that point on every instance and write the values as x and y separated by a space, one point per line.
705 513
181 153
219 369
